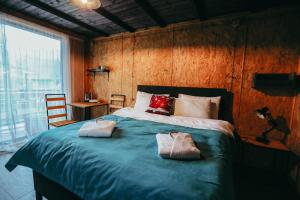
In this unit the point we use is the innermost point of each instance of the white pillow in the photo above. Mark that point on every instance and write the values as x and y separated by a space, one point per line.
200 108
215 103
142 100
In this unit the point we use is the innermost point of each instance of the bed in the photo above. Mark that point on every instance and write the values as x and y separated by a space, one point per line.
127 166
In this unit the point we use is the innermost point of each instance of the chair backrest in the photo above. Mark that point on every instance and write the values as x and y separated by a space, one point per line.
55 98
117 101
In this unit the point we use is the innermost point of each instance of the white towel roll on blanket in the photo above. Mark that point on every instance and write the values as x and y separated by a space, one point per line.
177 146
99 128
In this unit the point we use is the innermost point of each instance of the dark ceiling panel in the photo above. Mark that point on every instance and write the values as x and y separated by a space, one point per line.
64 15
33 18
87 16
128 15
219 7
129 12
148 8
18 4
49 17
113 18
200 7
174 11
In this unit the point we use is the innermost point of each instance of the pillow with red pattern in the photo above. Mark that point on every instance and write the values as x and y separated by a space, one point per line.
160 104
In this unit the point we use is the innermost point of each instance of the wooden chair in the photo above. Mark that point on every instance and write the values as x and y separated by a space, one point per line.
116 98
62 107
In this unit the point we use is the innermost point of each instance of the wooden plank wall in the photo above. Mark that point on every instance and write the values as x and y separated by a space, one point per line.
222 54
294 139
77 67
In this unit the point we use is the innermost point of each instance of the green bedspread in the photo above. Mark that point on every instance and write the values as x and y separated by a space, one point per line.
127 165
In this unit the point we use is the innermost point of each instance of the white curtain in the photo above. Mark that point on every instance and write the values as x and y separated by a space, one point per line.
34 61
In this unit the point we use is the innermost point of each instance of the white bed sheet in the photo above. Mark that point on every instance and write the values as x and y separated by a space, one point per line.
192 122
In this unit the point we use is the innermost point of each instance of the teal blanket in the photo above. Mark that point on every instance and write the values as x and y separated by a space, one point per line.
127 165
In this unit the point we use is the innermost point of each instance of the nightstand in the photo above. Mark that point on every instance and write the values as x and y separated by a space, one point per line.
274 156
263 170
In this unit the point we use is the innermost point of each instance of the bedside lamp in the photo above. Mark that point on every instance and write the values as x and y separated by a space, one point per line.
264 113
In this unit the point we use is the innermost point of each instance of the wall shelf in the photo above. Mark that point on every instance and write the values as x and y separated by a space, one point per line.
277 84
98 70
275 81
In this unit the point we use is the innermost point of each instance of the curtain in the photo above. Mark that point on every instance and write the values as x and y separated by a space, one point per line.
33 62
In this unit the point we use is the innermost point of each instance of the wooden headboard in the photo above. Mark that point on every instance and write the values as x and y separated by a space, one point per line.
226 104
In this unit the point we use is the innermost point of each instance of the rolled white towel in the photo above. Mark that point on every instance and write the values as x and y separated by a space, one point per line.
177 146
184 147
164 143
99 128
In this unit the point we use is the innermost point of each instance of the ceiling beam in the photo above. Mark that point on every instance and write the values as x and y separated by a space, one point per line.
64 16
146 6
200 8
113 18
44 23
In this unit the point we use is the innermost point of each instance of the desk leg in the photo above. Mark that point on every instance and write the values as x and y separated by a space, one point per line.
38 196
83 114
86 113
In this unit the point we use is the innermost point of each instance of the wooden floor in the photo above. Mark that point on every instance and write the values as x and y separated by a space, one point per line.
18 184
258 184
15 185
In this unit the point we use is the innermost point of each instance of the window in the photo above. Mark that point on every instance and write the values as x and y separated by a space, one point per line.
32 64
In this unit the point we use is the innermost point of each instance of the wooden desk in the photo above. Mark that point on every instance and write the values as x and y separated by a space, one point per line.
86 107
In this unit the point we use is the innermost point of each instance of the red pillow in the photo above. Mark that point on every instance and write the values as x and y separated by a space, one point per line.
160 104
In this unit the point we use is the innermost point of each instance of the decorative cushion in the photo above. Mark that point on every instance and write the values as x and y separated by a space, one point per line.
142 101
160 104
200 108
215 103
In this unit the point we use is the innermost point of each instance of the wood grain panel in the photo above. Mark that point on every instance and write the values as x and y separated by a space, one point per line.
127 70
153 59
294 139
194 53
77 69
114 62
99 84
238 70
87 63
222 71
268 50
223 54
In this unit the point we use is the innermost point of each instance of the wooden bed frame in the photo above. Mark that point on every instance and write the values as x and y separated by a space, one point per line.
51 190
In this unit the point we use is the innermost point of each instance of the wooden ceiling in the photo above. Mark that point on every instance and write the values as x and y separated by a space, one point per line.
115 16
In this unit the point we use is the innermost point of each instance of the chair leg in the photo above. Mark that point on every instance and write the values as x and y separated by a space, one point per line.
38 196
